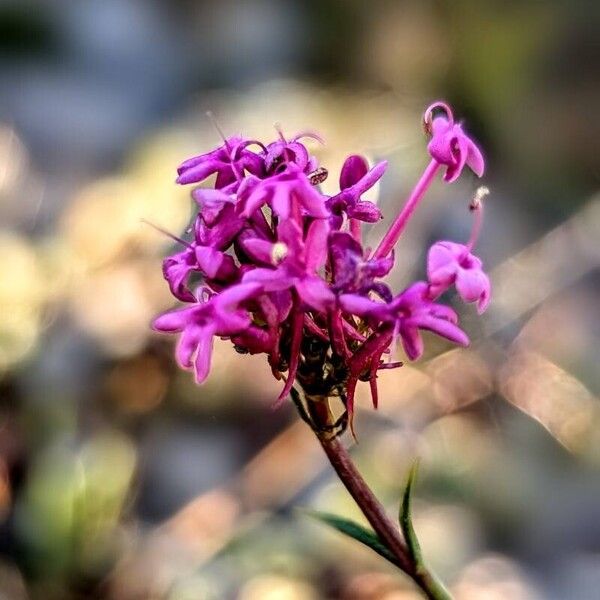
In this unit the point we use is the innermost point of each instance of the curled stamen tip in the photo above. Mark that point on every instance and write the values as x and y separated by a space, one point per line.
480 193
428 115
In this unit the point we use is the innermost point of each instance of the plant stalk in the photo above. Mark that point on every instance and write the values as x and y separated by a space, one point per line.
371 508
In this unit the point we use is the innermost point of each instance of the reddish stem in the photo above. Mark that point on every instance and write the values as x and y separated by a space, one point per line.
375 514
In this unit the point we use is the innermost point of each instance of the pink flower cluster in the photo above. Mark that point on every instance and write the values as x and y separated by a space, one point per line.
278 267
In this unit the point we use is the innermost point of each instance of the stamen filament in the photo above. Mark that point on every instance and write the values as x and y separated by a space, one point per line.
476 206
167 233
213 120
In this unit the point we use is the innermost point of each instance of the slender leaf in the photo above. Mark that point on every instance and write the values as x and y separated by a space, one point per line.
406 520
354 530
434 586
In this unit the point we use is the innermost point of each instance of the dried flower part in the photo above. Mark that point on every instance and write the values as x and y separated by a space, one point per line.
284 272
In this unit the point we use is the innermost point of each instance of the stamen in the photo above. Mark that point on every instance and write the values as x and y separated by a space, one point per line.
476 206
167 233
213 120
309 134
230 151
428 115
279 130
279 252
480 194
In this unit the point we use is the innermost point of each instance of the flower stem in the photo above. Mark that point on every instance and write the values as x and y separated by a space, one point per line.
393 233
371 508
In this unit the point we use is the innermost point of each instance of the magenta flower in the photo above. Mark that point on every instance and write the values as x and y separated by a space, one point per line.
280 192
410 312
297 263
355 180
176 270
415 311
449 263
221 162
220 314
451 146
218 222
278 155
352 272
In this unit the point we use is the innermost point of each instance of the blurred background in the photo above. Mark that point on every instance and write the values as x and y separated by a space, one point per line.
121 479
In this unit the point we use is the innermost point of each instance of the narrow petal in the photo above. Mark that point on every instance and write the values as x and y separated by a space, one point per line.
271 280
209 260
316 244
441 255
231 297
365 211
258 250
197 173
459 150
443 328
361 306
253 201
484 299
312 201
203 355
173 321
297 327
372 177
281 200
475 159
412 342
314 292
355 167
186 346
471 284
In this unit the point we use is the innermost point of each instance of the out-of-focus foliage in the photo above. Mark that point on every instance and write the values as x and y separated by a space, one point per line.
121 479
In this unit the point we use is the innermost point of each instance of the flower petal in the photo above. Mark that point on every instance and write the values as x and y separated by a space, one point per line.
412 342
355 167
315 292
475 159
203 355
316 244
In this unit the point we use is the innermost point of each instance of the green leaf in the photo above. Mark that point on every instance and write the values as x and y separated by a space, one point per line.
354 530
434 586
406 520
